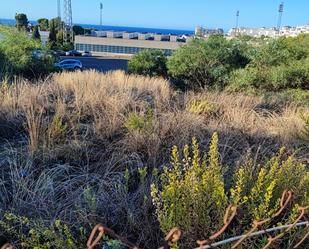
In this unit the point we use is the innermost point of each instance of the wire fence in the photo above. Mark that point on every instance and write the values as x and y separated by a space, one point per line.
175 235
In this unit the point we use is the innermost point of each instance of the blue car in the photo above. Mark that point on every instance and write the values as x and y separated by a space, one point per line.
69 64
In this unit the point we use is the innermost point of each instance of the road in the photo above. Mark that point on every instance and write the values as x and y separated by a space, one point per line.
102 64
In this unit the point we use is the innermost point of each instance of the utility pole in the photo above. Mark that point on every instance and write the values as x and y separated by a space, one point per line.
281 7
101 14
237 20
68 22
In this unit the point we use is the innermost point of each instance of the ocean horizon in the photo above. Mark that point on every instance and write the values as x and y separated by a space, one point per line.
12 22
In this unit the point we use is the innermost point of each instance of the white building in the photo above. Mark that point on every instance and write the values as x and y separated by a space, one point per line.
99 33
270 32
254 32
44 37
205 32
130 35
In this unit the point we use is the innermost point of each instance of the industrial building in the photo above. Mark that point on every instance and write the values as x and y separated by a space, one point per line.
115 42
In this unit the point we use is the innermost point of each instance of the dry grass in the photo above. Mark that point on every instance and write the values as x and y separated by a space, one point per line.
64 144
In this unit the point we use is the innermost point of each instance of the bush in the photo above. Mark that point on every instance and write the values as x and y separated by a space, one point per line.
32 234
138 121
192 193
148 63
206 63
200 107
276 65
294 75
305 132
281 51
22 55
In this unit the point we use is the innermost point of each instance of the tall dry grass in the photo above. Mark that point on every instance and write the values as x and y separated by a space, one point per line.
65 142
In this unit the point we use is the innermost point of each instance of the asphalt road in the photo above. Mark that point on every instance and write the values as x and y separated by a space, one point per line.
101 64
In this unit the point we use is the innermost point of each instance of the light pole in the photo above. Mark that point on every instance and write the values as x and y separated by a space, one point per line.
101 13
237 20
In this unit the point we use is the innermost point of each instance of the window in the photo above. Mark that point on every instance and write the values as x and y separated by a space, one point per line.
115 49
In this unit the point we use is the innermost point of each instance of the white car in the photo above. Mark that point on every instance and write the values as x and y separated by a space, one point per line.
86 54
69 64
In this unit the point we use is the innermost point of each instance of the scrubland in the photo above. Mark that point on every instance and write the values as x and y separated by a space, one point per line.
81 148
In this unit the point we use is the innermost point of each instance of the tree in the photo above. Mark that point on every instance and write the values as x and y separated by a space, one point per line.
43 23
78 30
36 34
60 37
208 63
52 38
22 55
21 21
56 23
149 62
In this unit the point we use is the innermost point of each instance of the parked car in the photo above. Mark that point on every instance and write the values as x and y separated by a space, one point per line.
69 64
86 53
60 53
73 53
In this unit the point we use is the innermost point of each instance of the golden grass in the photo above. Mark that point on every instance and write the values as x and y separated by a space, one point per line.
95 103
69 133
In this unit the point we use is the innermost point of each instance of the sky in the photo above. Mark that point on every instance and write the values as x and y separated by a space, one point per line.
173 14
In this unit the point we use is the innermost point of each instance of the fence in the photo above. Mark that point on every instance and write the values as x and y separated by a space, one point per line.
175 235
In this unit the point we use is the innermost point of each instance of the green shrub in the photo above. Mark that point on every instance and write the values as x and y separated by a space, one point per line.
258 189
199 107
280 51
139 121
32 234
275 66
148 63
208 63
292 76
192 193
56 131
305 133
22 55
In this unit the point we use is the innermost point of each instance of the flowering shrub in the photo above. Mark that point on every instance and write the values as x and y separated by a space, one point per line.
192 192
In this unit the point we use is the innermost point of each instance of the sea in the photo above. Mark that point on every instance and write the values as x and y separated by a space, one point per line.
117 28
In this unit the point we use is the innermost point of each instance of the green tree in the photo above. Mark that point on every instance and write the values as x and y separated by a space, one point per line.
43 23
21 21
36 34
2 64
78 30
275 65
52 38
56 23
59 37
23 56
208 63
149 62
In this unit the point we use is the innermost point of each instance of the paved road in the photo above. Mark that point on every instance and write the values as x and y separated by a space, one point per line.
102 64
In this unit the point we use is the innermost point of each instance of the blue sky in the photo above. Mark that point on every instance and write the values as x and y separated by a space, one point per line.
179 14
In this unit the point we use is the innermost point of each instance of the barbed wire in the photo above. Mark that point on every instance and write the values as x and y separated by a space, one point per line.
228 217
284 201
172 237
255 234
98 233
7 246
176 234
